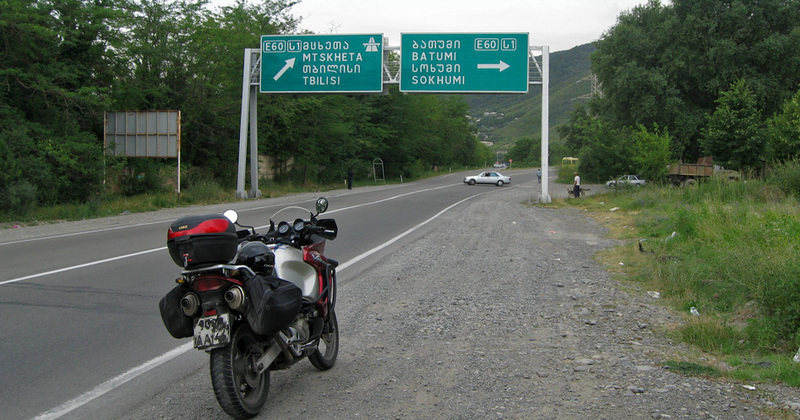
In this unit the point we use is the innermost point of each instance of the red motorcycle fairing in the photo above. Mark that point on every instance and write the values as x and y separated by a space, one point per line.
312 254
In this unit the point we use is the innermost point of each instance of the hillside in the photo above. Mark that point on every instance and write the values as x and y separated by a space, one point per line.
502 119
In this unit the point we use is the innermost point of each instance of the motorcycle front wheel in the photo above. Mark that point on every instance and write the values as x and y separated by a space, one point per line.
328 348
239 389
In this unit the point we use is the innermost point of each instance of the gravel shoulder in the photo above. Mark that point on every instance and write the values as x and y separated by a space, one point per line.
490 318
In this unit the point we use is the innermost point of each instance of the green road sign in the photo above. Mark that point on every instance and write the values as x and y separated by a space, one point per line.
321 63
464 63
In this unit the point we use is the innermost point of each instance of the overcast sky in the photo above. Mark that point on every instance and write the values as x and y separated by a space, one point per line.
560 24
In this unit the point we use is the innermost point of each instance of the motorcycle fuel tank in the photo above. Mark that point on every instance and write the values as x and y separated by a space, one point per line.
289 266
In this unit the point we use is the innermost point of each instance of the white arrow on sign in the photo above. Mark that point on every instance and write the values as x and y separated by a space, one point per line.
499 66
289 65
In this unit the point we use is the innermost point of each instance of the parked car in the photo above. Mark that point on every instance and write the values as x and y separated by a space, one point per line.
634 180
488 177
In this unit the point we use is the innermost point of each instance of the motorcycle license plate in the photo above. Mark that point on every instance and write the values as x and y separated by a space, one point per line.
212 331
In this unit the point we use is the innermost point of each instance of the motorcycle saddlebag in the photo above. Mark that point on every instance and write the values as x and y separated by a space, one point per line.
178 324
274 303
195 241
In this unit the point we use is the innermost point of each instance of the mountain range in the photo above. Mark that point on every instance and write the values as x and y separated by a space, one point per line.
502 119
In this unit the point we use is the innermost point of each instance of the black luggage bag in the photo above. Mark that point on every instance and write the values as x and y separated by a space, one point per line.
178 324
274 303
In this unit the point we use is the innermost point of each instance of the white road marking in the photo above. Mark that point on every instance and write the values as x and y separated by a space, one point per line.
75 267
112 384
82 233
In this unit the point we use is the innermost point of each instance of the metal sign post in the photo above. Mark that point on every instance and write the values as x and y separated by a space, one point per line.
545 73
252 59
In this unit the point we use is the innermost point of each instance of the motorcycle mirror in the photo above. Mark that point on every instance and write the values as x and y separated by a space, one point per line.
322 205
231 215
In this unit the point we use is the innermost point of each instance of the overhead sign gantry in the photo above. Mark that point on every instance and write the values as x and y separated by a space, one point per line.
429 63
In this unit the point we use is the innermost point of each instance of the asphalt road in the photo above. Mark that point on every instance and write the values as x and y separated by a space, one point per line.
79 300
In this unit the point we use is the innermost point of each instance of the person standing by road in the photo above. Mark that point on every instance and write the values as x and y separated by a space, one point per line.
539 175
350 179
576 185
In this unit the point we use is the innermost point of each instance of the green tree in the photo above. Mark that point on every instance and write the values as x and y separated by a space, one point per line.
666 65
329 135
64 62
55 67
603 151
426 132
578 130
607 154
651 154
527 151
783 132
734 134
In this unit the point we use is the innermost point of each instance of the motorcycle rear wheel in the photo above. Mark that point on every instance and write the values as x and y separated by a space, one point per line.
328 348
240 390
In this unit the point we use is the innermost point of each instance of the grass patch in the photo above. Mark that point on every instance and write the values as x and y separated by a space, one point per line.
728 249
692 369
765 368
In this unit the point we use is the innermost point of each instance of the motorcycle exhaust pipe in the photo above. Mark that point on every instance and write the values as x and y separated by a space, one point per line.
190 304
235 298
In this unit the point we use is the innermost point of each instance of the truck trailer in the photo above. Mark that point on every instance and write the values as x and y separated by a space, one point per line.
681 174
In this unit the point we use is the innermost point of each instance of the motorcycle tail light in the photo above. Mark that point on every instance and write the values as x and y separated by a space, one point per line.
208 284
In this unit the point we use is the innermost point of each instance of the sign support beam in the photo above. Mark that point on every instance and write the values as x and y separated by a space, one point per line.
251 64
545 197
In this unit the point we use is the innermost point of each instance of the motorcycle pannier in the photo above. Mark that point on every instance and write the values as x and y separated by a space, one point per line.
178 324
274 303
194 241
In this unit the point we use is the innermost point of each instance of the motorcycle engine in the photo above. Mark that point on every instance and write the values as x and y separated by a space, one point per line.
299 334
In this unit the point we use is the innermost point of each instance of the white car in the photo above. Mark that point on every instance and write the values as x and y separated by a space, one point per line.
633 180
488 177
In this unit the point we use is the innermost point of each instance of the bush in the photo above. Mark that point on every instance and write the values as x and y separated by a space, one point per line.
566 173
786 176
21 197
143 176
204 192
781 302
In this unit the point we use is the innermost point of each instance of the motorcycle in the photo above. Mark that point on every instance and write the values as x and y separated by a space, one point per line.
255 302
